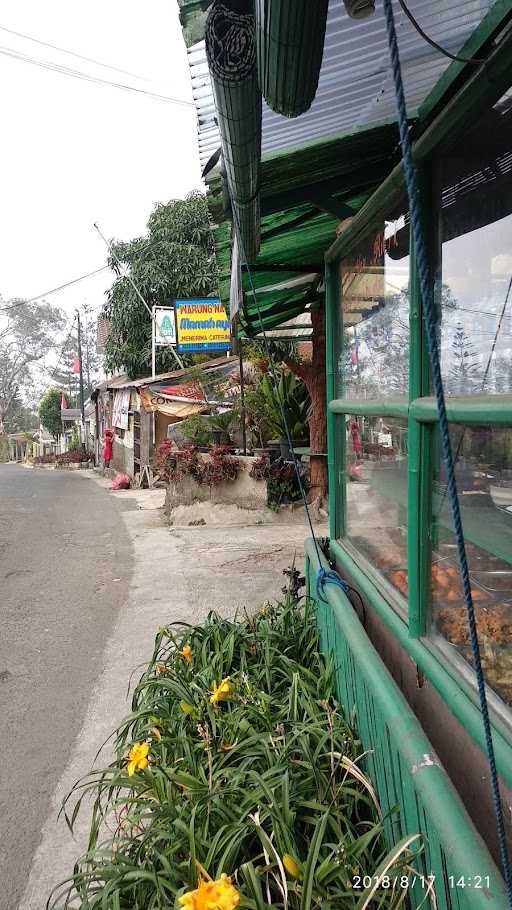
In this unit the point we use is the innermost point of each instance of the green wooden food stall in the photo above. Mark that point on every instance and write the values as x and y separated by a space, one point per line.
325 218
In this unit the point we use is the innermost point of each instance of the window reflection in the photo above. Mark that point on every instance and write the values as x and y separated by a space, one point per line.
484 479
374 283
377 493
474 291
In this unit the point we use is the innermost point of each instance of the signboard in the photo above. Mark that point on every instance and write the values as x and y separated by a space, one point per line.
202 325
165 325
121 408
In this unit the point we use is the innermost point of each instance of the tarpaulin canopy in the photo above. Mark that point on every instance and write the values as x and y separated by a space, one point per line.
153 401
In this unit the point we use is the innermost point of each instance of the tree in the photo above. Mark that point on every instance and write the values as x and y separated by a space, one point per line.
21 417
27 334
65 376
49 411
465 372
175 259
313 375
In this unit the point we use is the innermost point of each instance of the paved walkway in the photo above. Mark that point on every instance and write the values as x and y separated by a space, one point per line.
180 572
65 569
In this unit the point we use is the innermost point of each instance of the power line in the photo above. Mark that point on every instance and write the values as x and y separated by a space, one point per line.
87 77
64 50
61 287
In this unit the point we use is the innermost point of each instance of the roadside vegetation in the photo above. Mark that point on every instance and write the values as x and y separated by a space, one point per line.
236 781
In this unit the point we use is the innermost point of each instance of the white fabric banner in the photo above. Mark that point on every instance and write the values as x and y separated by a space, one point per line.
121 408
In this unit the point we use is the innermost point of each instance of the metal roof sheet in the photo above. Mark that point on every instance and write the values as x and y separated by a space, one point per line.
355 90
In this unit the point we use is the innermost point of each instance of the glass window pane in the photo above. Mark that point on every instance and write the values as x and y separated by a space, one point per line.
374 294
474 288
484 478
377 493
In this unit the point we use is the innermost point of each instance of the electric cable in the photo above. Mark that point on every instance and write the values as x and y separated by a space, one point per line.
135 288
87 77
12 306
442 50
64 50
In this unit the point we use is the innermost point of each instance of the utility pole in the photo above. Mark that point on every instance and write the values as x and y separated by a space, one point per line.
82 408
242 397
87 361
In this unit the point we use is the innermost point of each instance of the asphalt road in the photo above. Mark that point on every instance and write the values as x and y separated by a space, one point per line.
65 566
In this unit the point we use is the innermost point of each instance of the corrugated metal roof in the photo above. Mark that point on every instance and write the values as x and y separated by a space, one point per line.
355 90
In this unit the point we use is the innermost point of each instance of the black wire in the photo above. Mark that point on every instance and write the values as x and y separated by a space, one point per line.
474 60
61 287
64 50
88 77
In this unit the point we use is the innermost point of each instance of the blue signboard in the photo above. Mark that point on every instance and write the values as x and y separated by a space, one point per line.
202 325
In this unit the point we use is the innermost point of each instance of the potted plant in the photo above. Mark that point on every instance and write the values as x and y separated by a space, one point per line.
221 424
289 408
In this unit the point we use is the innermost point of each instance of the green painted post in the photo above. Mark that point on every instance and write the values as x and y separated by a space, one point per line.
414 528
335 439
419 482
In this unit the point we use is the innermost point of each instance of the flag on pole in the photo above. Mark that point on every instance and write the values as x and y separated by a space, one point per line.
76 364
63 402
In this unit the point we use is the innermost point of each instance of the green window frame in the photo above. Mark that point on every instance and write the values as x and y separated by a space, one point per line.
456 688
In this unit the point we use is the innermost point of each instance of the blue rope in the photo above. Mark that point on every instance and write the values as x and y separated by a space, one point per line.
430 325
329 576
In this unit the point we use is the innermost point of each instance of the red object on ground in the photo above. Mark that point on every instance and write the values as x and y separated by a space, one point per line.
107 445
121 482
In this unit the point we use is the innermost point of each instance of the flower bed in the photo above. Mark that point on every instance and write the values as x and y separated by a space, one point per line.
235 781
174 464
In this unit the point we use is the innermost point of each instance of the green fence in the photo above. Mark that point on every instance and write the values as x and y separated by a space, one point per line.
403 766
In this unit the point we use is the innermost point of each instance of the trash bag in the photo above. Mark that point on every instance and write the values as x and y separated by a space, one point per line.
121 482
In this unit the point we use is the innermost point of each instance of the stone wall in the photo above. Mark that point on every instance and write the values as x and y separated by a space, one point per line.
243 492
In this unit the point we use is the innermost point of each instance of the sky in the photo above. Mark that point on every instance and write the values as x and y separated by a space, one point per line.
74 152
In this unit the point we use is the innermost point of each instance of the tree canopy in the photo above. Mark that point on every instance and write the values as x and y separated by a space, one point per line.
175 259
49 411
28 332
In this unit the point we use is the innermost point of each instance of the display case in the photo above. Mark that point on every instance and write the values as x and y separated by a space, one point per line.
390 521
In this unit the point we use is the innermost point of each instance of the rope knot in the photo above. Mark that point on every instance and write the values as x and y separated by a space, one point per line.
329 576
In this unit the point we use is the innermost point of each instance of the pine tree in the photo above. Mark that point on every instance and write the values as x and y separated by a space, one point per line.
465 373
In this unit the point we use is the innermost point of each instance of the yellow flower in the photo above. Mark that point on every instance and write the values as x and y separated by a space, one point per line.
138 758
186 653
221 692
226 747
291 866
186 708
218 895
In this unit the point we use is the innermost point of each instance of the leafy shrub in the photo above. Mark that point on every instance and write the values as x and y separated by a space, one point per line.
236 759
260 468
198 430
281 477
220 466
174 464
